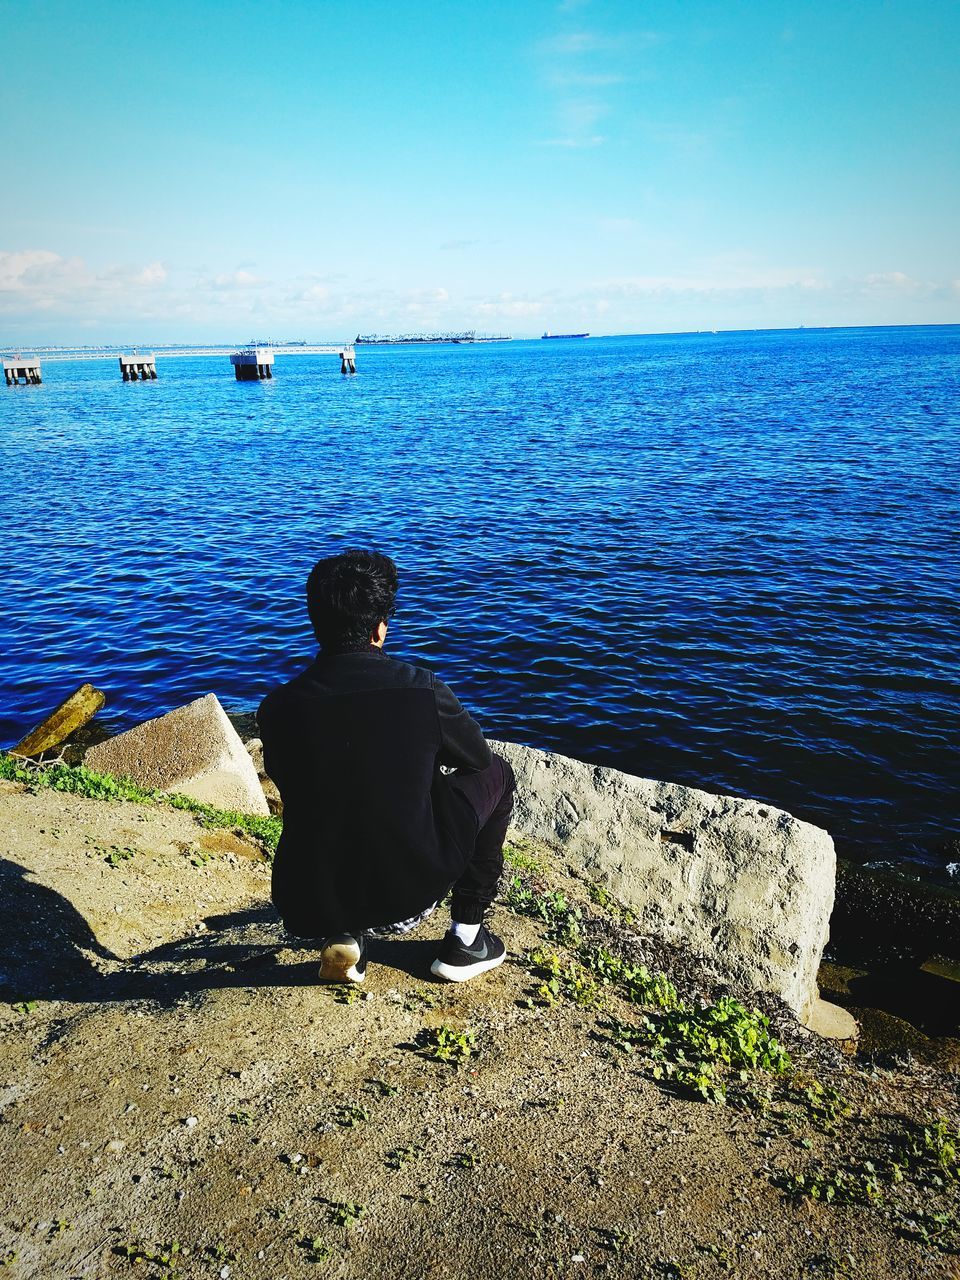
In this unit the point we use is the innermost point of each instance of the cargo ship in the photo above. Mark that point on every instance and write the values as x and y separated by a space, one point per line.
564 335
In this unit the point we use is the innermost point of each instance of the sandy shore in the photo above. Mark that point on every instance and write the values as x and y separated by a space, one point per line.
171 1074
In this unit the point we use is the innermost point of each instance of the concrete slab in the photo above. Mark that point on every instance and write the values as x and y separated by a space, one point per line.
193 750
746 886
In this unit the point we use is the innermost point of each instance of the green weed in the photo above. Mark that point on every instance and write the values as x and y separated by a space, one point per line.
81 781
634 982
400 1156
565 978
25 1006
162 1256
345 1212
517 854
467 1159
448 1044
348 1116
562 919
317 1249
860 1185
115 856
725 1032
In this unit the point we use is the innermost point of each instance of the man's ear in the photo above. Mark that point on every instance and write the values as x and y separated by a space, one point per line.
379 635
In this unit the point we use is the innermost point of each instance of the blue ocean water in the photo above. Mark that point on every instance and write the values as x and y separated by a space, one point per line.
729 560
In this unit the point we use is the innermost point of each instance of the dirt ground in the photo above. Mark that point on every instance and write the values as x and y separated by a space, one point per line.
179 1096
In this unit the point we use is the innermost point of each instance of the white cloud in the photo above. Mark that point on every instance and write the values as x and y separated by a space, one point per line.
594 140
237 280
155 273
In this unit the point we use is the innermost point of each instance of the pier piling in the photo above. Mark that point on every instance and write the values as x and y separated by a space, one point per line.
138 365
253 364
348 360
25 367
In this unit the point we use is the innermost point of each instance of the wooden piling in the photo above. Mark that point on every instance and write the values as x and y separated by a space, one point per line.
348 360
73 713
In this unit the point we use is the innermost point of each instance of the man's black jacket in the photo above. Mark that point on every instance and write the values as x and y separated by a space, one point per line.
372 833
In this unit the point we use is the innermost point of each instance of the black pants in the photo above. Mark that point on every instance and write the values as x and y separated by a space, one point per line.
490 795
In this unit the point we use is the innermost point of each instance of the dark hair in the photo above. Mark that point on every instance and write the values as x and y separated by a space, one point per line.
347 596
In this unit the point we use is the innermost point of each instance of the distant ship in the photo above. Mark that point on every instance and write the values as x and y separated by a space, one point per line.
469 335
565 335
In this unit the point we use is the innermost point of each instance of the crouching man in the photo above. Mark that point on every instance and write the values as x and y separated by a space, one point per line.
391 796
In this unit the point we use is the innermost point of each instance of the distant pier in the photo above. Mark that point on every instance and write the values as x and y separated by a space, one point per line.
138 366
25 367
253 364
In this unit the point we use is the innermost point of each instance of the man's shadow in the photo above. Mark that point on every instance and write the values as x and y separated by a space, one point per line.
49 952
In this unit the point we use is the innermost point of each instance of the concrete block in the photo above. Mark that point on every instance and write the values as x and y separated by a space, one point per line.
194 750
73 713
744 885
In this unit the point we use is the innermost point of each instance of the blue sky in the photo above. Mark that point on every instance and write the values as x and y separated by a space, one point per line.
215 171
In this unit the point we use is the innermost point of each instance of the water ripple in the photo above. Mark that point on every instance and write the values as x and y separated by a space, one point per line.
729 560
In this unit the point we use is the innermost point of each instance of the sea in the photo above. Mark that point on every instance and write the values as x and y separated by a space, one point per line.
728 560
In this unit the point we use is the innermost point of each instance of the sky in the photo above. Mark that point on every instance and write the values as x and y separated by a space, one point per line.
206 171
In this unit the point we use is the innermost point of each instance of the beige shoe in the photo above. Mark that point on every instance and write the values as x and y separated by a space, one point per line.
343 958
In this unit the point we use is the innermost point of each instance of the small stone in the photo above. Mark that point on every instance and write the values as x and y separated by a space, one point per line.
115 1144
578 1257
191 1121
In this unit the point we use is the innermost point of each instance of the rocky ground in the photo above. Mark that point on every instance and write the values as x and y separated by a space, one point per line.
180 1097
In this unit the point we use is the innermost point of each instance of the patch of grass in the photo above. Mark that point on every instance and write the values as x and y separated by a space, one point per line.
25 1007
634 982
696 1049
565 979
424 999
725 1032
162 1257
603 898
449 1044
81 781
348 993
935 1230
561 917
517 854
467 1159
348 1116
115 856
824 1105
400 1156
928 1154
858 1185
241 1118
9 1258
219 1253
345 1213
316 1248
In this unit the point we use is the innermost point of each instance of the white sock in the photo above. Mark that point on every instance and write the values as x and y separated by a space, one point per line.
467 933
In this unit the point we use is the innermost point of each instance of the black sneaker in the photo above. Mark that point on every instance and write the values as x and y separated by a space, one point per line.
459 963
343 958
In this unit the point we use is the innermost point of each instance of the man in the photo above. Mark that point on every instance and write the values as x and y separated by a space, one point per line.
390 794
